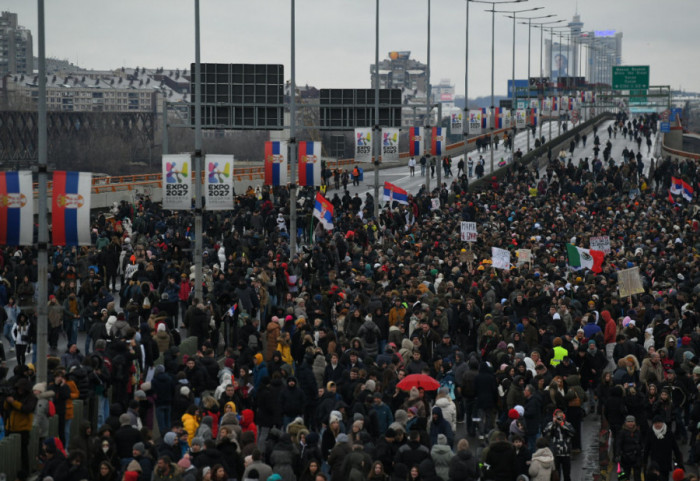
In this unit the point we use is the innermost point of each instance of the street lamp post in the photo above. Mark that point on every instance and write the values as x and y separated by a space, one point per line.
377 131
514 14
515 92
427 113
493 30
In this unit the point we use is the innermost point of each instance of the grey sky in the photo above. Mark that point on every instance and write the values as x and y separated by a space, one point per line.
335 38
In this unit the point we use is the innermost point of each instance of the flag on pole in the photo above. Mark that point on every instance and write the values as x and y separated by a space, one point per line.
670 198
687 191
475 121
232 310
309 163
438 141
564 103
507 119
676 186
533 117
16 209
585 258
70 208
323 211
555 104
497 120
363 145
275 163
484 117
394 193
415 140
390 145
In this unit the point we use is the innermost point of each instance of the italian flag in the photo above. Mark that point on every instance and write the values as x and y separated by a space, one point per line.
585 258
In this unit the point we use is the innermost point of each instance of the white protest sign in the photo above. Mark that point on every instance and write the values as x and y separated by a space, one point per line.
500 258
600 243
435 204
524 256
468 231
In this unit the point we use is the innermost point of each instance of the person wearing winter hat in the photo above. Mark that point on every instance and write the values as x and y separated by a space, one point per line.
661 447
197 444
169 447
678 475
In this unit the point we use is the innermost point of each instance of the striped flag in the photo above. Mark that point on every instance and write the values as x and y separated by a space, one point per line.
687 191
394 193
415 141
275 163
16 209
533 117
70 208
484 117
585 258
676 186
309 163
497 120
323 211
438 141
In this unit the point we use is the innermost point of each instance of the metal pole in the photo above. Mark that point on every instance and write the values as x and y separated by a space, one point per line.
198 243
428 133
515 92
529 37
438 161
465 116
42 259
292 145
164 148
558 92
539 110
493 38
377 130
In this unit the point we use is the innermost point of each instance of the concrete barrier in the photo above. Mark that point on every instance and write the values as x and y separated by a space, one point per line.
11 455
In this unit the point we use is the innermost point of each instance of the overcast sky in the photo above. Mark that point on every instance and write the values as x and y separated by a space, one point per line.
335 39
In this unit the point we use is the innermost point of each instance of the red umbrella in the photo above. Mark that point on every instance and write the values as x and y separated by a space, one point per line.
421 381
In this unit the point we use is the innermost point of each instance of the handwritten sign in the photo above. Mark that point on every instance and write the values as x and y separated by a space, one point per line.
600 243
500 258
468 231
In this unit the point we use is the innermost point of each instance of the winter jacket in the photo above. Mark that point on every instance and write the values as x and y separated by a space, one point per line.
463 467
660 450
21 409
533 414
248 422
629 448
41 414
541 465
500 461
442 456
486 388
449 411
292 400
440 426
560 437
190 424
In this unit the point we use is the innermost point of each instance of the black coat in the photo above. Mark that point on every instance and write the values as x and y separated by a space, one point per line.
124 440
463 467
501 462
486 388
292 401
661 450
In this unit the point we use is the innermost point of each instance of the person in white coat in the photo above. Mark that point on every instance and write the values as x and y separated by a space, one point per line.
542 462
447 405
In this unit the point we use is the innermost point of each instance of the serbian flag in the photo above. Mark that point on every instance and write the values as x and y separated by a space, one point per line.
275 163
555 104
484 117
676 186
70 208
533 117
687 191
309 163
415 141
438 141
394 193
16 209
497 120
323 211
585 258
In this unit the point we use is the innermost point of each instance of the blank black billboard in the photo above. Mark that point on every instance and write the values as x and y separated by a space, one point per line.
345 109
241 96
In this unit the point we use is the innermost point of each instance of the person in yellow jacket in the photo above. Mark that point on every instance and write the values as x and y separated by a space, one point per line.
559 352
190 422
284 347
19 407
74 394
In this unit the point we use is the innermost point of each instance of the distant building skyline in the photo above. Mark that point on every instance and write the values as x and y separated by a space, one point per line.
16 46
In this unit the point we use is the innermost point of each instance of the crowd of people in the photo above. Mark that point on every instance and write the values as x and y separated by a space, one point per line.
299 354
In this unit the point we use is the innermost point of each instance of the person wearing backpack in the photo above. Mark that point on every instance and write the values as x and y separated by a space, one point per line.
369 333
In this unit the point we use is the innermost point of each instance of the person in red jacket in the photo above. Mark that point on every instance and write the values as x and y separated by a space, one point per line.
609 335
248 423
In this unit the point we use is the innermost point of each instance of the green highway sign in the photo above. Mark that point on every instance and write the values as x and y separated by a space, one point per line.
630 77
638 96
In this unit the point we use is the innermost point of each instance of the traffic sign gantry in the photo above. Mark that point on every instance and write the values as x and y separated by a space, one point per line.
630 77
